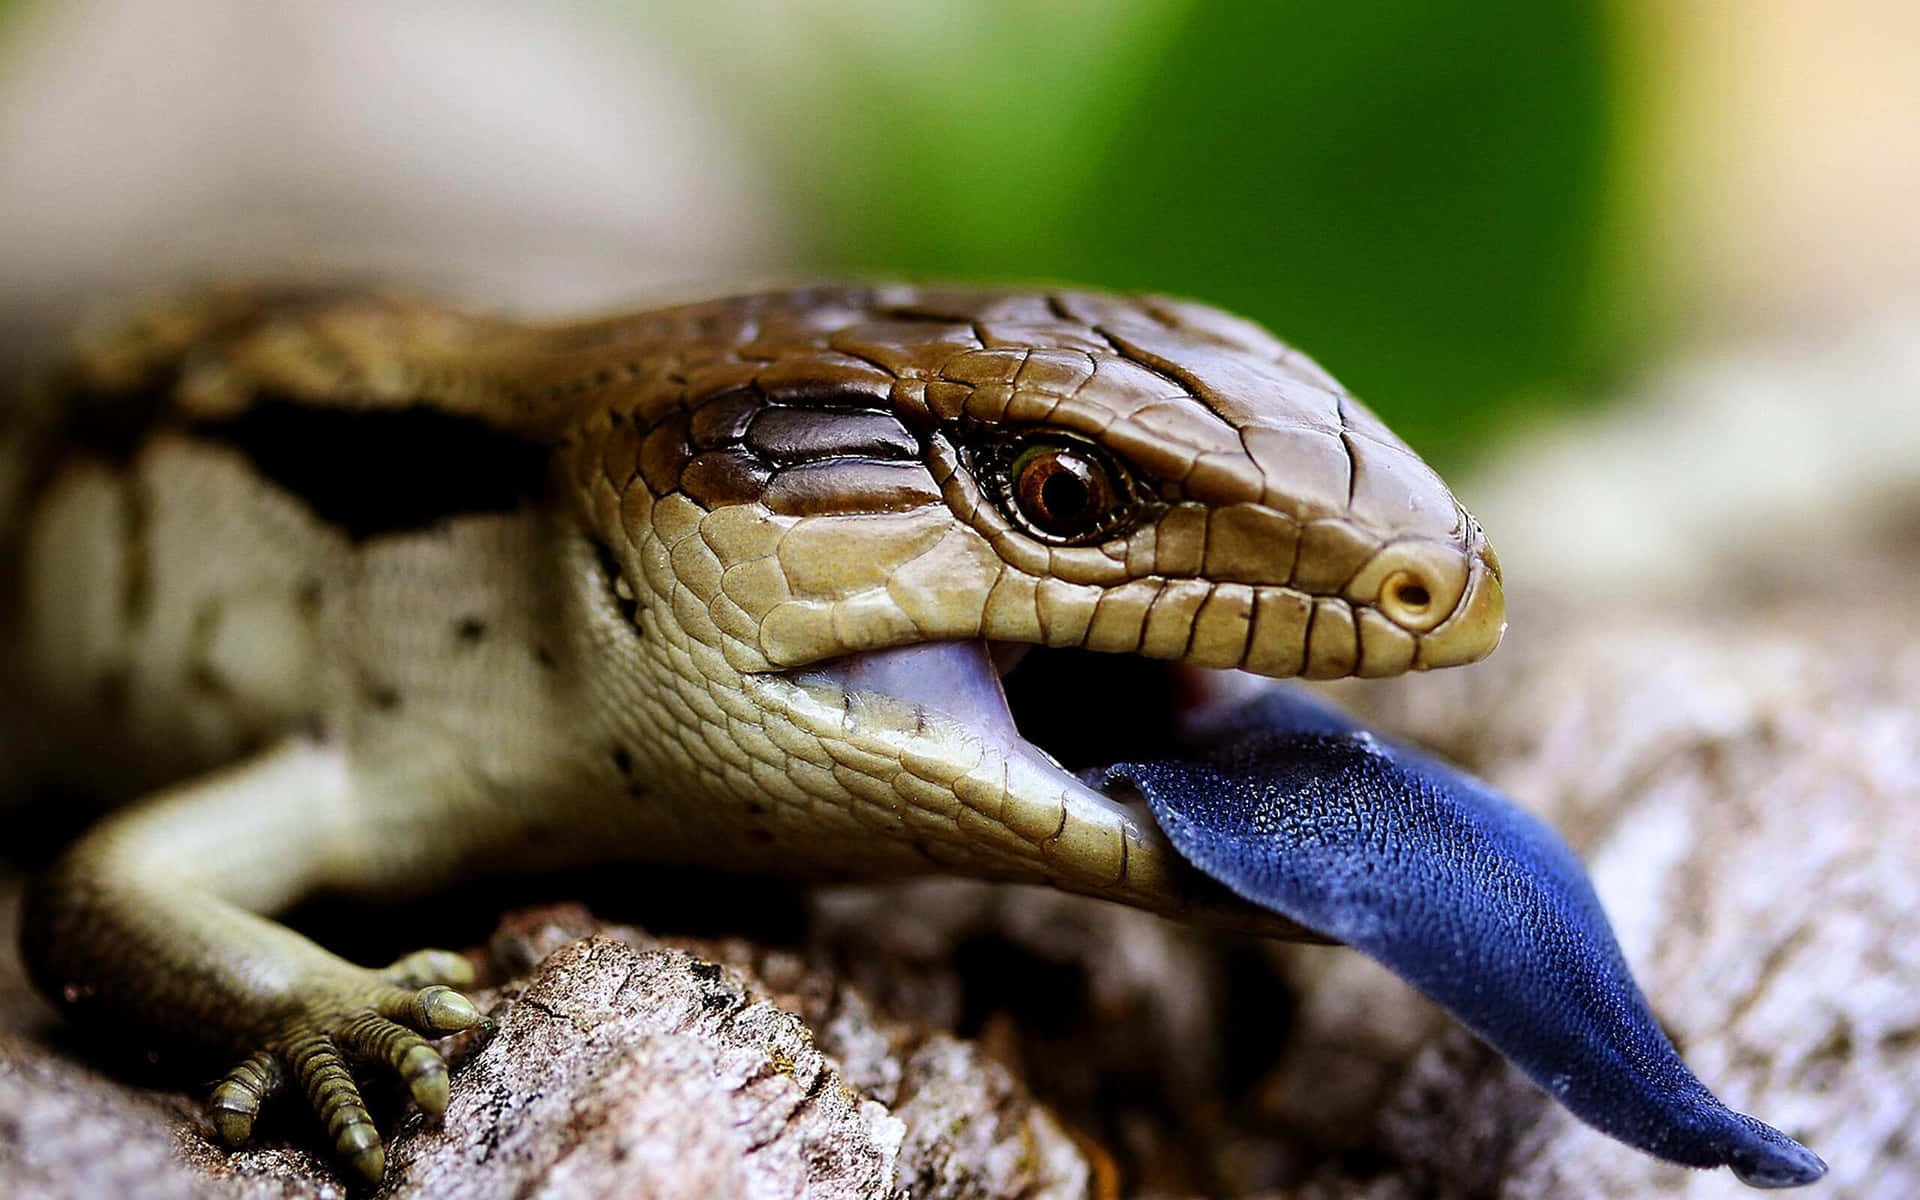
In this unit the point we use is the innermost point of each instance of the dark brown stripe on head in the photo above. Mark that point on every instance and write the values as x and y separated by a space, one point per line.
724 418
796 435
724 477
824 441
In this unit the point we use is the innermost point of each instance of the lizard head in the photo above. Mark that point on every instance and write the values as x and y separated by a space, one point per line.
849 505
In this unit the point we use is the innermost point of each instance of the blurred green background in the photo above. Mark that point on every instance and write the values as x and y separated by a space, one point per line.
1477 213
1410 190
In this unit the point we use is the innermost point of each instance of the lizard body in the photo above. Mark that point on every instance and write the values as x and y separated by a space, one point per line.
378 594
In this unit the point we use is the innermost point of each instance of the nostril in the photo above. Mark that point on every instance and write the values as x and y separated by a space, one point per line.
1414 584
1405 596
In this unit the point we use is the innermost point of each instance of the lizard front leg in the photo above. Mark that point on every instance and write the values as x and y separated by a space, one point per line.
153 921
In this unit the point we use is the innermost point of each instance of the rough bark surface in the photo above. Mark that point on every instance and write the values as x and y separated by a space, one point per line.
618 1065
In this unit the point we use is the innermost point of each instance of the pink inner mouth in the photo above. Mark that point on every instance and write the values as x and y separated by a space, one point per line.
962 682
1080 710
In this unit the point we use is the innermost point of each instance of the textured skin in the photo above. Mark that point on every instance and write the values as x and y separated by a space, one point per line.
422 672
1457 891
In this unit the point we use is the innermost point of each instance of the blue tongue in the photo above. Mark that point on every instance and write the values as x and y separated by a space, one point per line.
1453 888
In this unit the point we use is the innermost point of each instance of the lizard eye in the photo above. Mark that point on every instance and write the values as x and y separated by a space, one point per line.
1062 491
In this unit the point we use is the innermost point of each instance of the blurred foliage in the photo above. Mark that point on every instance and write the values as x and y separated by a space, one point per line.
1408 189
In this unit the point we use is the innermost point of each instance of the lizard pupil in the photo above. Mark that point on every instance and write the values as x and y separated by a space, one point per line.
1064 495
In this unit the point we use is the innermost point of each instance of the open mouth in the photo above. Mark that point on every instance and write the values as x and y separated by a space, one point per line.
1065 711
1224 783
1055 718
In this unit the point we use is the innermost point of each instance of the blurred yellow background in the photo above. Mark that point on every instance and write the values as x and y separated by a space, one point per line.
1471 211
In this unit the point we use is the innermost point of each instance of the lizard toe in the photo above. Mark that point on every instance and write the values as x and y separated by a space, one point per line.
322 1074
406 1053
437 1009
236 1100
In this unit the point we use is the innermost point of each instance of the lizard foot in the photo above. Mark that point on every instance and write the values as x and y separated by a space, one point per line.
372 1016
